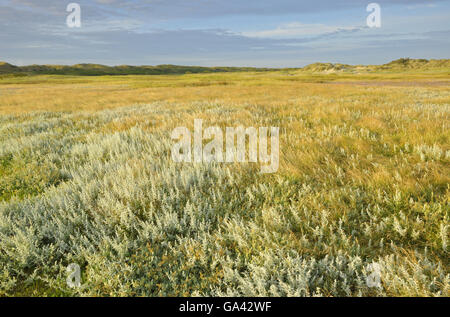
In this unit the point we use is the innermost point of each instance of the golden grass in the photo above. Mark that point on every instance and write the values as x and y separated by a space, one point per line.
75 93
379 106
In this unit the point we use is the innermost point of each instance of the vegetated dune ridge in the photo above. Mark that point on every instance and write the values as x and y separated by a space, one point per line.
96 69
86 177
403 64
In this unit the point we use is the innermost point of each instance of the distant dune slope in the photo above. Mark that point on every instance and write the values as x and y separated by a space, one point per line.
403 64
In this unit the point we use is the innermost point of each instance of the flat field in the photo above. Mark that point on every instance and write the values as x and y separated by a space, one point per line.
86 177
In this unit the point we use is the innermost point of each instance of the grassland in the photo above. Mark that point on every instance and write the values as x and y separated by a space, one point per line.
86 177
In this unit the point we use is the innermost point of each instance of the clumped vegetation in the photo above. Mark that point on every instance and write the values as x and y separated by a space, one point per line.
400 65
86 177
101 70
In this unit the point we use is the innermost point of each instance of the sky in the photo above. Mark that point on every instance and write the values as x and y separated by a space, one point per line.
257 33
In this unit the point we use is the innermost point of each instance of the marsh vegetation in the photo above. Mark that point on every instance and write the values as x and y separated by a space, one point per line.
86 177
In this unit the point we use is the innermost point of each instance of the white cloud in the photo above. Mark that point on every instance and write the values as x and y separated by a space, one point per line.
296 30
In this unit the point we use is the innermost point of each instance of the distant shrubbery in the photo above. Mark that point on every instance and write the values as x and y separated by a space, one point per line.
96 69
402 64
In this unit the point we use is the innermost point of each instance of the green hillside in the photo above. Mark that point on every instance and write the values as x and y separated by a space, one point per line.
7 68
400 65
96 69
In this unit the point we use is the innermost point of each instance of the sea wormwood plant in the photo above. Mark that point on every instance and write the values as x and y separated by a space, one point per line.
138 223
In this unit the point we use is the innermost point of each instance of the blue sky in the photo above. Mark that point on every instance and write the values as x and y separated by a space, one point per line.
261 33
